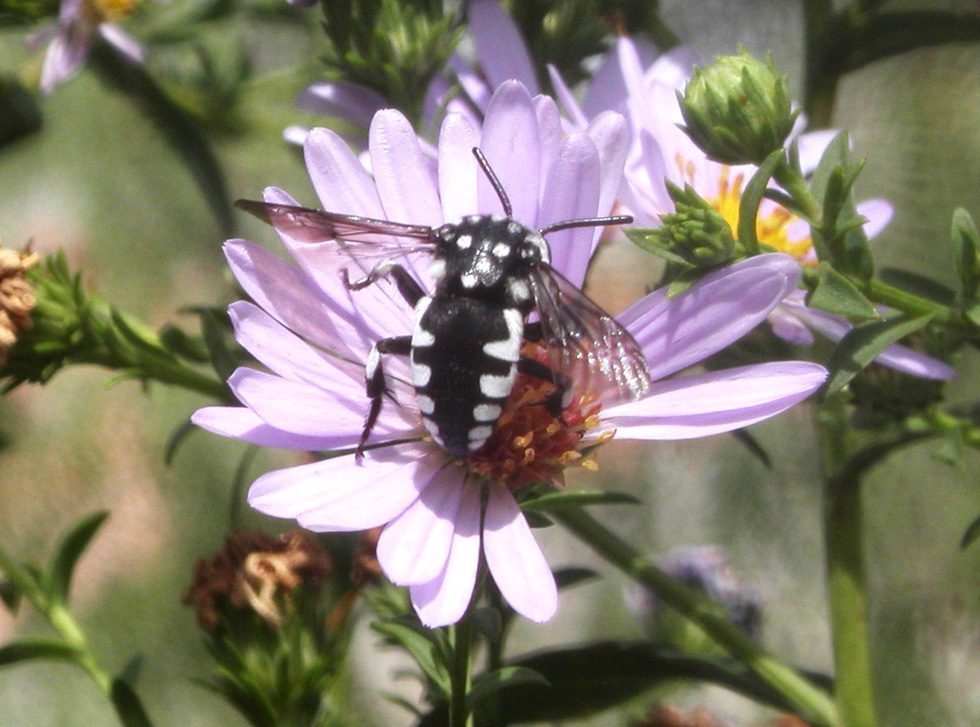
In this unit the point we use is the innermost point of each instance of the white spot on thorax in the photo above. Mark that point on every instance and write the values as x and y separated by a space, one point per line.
426 404
519 290
514 227
463 242
468 280
437 268
501 250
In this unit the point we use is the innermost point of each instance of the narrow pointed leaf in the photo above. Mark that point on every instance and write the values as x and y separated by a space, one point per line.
748 206
69 551
971 534
222 357
21 651
422 649
836 294
966 253
862 344
558 500
128 706
506 678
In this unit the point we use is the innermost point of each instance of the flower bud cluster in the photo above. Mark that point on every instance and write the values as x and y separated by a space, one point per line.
695 231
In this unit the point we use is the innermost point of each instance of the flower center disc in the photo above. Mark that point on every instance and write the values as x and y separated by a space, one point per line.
530 445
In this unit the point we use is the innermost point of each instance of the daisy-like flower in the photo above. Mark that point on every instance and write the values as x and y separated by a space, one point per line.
661 151
71 37
315 335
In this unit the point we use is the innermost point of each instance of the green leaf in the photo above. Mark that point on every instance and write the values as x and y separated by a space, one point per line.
587 679
748 206
487 621
683 282
836 294
581 498
222 357
70 549
966 253
971 534
836 153
177 438
919 284
422 648
860 346
10 595
128 706
20 651
571 576
650 240
497 681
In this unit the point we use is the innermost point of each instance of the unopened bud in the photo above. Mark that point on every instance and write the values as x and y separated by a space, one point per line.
738 110
695 231
16 297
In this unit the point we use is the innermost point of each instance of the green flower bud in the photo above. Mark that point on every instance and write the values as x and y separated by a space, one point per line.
738 110
695 231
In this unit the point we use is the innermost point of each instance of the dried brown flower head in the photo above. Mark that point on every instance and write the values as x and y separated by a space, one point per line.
256 571
16 297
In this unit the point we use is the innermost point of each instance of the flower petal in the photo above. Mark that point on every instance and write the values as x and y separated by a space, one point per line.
499 46
570 193
342 99
510 143
290 356
879 213
443 600
515 560
812 146
458 168
64 56
339 178
245 425
720 401
401 171
567 100
287 294
414 548
342 494
897 357
717 310
301 408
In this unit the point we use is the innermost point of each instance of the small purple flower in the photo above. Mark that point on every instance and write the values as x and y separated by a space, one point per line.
71 37
661 151
439 513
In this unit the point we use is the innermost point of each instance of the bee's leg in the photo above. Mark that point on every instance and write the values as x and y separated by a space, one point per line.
407 285
375 377
561 396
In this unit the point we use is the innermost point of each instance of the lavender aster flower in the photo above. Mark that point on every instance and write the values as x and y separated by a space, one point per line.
71 37
439 513
661 151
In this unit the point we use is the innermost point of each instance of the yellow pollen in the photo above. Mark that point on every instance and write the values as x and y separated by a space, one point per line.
529 444
112 10
589 464
772 230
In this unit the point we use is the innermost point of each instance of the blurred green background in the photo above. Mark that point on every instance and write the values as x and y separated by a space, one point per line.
101 182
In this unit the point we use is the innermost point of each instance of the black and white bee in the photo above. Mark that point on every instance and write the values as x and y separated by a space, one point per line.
494 290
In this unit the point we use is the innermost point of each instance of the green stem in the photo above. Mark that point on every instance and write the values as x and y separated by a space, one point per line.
847 582
462 636
914 305
58 616
812 703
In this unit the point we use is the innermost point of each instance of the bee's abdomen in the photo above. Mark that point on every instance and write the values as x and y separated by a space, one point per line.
464 364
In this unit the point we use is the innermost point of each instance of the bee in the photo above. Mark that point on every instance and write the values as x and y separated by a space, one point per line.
495 290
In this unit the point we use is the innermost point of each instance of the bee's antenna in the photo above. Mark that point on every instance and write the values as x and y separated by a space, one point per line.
494 182
590 222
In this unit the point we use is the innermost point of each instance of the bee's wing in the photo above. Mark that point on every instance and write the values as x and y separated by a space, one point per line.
585 343
312 226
